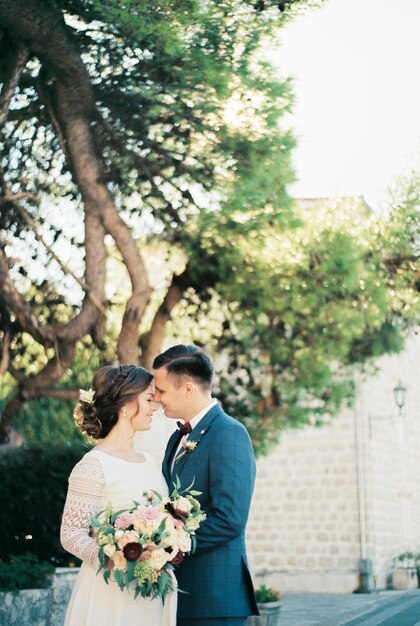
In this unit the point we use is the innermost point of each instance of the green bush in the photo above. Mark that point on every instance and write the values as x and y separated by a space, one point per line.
24 571
264 594
33 487
47 421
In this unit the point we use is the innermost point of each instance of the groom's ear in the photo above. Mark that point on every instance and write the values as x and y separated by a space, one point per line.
189 388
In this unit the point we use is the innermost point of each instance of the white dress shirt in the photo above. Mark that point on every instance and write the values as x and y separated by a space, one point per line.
193 422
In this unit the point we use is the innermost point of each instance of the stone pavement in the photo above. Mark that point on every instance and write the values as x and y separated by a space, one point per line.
380 608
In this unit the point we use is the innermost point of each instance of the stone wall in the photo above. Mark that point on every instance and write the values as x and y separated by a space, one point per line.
304 532
304 525
39 607
29 607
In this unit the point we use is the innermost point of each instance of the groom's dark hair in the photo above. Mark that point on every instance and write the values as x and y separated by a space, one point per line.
187 361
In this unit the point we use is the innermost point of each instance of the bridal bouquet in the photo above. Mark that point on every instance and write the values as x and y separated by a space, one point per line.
146 541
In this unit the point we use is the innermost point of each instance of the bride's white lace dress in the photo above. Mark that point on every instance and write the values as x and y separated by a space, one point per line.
98 479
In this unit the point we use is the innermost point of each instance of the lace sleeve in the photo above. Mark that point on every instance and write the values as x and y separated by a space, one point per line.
84 498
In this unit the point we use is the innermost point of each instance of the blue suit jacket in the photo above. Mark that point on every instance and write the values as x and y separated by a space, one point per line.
222 466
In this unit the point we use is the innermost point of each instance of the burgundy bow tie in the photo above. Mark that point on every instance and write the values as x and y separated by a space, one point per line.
184 428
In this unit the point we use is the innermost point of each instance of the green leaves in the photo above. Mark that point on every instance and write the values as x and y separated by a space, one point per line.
24 571
119 578
297 306
131 566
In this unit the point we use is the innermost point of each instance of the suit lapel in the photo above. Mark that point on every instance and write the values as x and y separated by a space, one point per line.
170 449
197 434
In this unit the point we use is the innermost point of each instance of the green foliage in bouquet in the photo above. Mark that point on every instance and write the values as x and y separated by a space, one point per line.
33 490
24 571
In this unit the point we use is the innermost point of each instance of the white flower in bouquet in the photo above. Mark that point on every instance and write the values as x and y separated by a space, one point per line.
183 541
120 562
169 535
140 525
158 558
169 525
171 539
103 540
184 505
110 550
162 504
192 524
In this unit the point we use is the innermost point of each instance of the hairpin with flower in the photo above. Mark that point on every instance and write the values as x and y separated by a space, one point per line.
86 395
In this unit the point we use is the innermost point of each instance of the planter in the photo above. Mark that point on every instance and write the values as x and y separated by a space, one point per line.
405 578
269 615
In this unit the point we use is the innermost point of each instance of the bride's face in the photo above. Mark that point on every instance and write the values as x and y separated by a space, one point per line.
140 410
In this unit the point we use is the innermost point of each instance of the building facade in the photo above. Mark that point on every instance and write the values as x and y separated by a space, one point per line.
327 497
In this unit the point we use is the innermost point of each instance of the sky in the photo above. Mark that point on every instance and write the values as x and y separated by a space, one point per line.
356 69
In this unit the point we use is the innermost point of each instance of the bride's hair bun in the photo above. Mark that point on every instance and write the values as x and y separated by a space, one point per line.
87 419
112 387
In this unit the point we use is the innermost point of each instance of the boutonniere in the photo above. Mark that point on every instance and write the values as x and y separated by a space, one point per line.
189 446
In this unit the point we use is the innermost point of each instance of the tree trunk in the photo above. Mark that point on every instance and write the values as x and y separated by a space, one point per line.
153 340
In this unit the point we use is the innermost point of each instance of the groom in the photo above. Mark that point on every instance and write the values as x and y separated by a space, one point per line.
222 466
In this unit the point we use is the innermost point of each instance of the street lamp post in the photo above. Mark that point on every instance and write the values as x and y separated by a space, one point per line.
366 564
399 395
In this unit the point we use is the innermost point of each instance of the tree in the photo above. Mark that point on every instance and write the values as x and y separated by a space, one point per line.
301 305
114 112
164 117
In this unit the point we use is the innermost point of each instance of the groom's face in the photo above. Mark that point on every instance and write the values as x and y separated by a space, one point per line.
169 394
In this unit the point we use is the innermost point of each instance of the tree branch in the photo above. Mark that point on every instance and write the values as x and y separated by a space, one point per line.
128 341
21 58
20 195
11 409
152 342
5 349
4 361
44 334
45 98
37 386
62 394
17 374
66 270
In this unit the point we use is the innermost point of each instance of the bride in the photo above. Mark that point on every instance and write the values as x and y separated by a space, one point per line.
120 405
